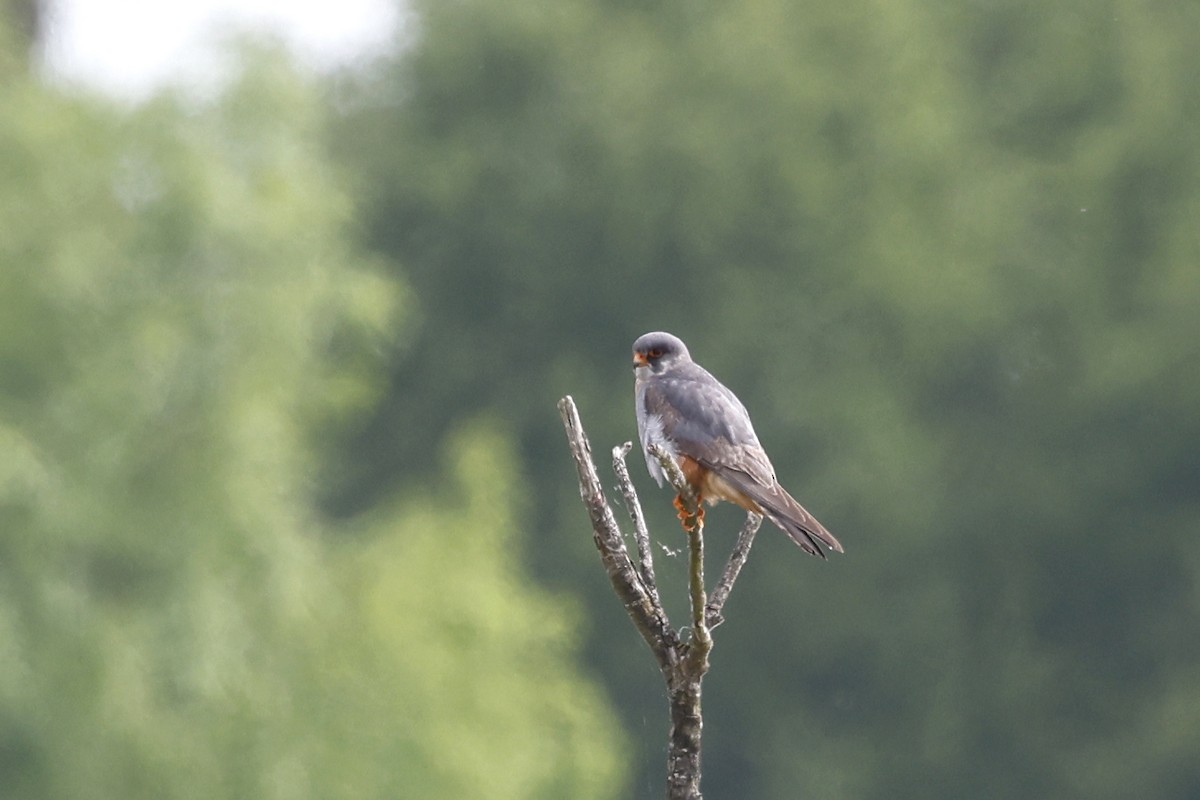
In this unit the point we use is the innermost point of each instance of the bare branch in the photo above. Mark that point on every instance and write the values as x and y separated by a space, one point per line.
700 644
643 609
737 559
683 665
683 752
684 683
701 641
640 534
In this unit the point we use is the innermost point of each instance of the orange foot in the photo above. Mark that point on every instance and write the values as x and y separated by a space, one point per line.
689 523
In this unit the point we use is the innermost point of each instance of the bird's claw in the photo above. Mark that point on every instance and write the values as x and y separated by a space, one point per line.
690 522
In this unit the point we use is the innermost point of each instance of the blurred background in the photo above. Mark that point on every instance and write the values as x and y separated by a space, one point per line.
286 509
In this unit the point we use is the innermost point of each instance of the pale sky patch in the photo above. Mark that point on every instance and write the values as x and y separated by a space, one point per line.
130 47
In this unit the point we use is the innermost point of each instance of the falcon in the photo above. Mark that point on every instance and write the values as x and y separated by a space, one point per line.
684 409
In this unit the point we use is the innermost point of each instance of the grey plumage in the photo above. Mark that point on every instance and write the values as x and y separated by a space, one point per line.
682 407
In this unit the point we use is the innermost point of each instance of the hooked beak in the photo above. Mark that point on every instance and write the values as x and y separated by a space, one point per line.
640 360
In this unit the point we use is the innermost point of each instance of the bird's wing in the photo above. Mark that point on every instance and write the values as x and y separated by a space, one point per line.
694 414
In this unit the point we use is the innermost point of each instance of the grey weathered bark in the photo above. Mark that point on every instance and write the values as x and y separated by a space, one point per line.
683 662
737 559
640 534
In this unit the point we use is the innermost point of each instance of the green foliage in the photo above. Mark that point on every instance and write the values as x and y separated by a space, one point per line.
183 328
946 254
450 621
948 257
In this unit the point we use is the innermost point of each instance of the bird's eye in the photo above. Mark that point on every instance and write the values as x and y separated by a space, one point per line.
655 353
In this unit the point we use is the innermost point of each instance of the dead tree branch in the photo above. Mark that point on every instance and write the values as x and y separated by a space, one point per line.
640 534
683 663
647 614
694 524
737 559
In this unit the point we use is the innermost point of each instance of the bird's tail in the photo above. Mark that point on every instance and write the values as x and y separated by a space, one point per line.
789 516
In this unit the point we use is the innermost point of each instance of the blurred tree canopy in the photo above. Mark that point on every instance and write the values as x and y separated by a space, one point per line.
21 24
286 511
948 255
185 326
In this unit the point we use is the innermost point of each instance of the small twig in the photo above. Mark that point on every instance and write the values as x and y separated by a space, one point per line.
737 559
640 534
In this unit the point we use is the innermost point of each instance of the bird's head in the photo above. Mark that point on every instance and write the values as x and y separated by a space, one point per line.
659 351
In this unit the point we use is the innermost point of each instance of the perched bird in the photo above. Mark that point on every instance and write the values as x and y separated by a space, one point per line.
683 408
